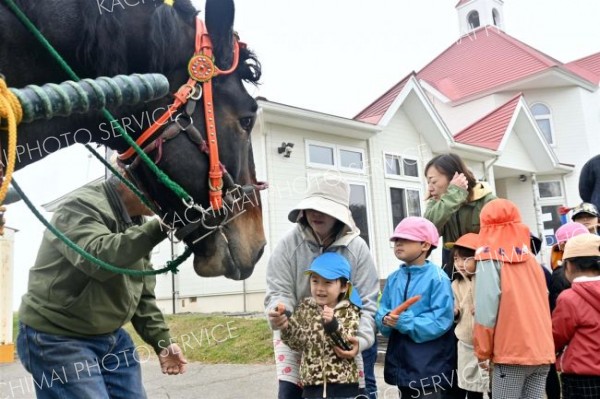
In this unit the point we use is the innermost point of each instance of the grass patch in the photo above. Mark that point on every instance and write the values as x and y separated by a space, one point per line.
15 326
214 338
220 339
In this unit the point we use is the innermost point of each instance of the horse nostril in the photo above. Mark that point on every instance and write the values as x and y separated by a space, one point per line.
246 123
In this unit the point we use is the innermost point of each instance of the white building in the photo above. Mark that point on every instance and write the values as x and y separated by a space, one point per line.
522 120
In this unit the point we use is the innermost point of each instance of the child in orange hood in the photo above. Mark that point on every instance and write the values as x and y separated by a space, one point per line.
513 328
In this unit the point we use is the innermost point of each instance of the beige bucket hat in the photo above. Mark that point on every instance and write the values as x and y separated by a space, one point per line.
328 194
582 245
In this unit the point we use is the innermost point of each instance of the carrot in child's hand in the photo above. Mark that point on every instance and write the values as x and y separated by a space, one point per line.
280 308
405 305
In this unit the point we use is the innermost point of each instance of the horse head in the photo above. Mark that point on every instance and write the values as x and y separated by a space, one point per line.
112 37
228 240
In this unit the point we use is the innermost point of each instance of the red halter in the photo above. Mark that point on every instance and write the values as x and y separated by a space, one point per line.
201 69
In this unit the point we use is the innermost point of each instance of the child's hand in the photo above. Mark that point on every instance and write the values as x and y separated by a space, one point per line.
327 314
390 320
485 365
277 317
351 354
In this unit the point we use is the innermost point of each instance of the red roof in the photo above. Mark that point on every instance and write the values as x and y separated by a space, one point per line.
482 60
374 112
489 131
461 2
587 65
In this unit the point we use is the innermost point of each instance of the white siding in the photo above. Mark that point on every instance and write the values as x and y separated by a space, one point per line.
521 194
515 155
399 137
460 116
576 123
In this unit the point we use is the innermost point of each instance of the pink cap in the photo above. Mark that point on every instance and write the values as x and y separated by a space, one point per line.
418 229
569 230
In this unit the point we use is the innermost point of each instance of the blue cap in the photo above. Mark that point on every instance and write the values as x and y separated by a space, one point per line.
331 266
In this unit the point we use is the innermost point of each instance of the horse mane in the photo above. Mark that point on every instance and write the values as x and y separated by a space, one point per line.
102 47
103 50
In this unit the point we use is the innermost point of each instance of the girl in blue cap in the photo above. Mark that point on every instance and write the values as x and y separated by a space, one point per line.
321 322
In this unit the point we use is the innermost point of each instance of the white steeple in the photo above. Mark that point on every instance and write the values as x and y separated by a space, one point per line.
473 14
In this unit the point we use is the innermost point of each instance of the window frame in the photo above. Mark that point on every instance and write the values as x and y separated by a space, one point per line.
336 157
312 164
398 185
473 12
547 117
351 149
366 185
554 202
562 191
401 176
496 17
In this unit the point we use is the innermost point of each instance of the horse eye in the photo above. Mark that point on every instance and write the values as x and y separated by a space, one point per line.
246 123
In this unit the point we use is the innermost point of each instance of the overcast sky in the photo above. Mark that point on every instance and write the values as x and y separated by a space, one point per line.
332 56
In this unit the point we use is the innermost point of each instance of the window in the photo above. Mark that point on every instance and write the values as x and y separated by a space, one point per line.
404 202
351 159
550 189
395 165
542 116
552 222
321 154
473 19
358 208
324 155
496 17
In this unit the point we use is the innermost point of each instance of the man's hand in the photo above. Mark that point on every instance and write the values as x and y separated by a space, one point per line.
171 360
277 317
327 314
351 354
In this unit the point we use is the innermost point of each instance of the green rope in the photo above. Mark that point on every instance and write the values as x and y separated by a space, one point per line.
124 180
162 177
171 266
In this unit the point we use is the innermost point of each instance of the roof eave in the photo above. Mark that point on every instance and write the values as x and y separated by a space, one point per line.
514 85
310 120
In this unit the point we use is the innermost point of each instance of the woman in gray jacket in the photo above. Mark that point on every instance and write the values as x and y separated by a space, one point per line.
323 222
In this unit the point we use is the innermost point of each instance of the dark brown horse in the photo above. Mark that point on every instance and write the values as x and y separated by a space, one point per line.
106 38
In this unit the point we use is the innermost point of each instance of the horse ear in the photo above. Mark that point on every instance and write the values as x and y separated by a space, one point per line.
219 22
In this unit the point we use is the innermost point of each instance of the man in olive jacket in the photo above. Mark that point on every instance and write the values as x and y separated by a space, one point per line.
70 334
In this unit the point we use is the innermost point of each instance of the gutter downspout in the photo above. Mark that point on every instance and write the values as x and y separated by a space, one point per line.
538 213
486 167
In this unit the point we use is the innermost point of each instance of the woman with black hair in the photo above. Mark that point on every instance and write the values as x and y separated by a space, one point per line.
455 200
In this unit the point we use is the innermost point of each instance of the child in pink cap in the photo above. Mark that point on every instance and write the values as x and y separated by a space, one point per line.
420 352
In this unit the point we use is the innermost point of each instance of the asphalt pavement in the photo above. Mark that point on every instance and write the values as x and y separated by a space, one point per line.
201 381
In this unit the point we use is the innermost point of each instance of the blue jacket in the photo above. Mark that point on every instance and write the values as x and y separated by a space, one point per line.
420 350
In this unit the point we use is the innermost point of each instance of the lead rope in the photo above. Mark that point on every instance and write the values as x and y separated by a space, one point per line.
171 266
162 177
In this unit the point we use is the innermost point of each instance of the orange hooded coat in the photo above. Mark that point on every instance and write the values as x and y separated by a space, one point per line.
512 314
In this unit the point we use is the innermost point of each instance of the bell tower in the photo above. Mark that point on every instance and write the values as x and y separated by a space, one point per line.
473 14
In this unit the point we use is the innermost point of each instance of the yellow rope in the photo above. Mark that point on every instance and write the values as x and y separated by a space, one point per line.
10 109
